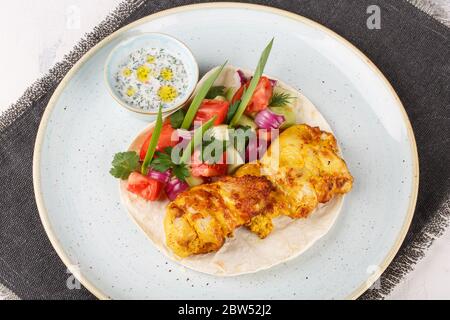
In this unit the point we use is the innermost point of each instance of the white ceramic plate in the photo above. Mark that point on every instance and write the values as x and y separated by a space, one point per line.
82 129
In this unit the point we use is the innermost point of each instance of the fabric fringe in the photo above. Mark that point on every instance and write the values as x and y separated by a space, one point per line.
6 294
415 249
409 255
438 9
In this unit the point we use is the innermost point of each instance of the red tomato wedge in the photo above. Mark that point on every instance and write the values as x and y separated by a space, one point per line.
199 169
210 108
261 97
145 187
165 140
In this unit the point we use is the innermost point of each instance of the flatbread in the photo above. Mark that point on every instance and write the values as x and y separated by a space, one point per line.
245 252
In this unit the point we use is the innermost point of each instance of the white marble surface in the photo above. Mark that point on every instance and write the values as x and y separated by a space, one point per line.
37 34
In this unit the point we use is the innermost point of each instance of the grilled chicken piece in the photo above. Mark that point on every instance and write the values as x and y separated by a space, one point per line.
306 170
200 219
300 170
308 162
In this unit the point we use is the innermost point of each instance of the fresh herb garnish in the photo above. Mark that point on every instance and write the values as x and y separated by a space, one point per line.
246 97
124 164
196 139
232 110
181 171
215 91
280 99
164 162
176 119
201 94
153 142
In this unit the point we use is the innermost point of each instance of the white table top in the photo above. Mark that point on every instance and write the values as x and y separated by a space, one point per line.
48 29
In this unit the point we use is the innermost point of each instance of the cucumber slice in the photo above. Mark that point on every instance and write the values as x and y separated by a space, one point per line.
194 181
288 113
245 121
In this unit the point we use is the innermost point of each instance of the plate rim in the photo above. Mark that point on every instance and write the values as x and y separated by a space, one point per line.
219 5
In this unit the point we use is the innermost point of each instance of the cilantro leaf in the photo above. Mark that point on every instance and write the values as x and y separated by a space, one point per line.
160 165
215 91
163 162
124 164
176 119
181 171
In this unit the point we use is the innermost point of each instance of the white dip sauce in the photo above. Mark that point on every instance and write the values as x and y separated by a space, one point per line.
151 77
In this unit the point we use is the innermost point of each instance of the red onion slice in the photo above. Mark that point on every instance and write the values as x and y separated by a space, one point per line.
242 77
273 83
266 119
174 187
160 176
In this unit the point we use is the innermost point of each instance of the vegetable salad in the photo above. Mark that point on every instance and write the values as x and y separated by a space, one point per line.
221 129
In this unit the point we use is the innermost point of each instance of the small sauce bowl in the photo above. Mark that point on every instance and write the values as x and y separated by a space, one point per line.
169 64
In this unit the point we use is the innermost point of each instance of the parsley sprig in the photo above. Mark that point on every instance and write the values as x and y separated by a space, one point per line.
124 164
163 162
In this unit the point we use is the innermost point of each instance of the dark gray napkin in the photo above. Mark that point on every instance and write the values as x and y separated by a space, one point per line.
411 49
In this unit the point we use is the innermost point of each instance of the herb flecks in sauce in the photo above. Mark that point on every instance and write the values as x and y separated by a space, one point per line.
151 77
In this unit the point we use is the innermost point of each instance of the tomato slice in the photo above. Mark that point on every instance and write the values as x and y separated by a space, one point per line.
199 169
145 187
210 108
165 140
261 97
